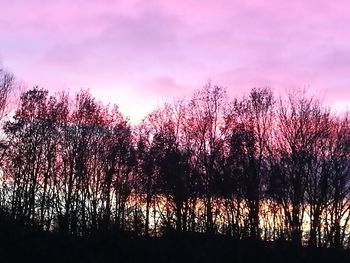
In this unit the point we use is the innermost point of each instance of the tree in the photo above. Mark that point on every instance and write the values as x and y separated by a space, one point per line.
251 126
207 108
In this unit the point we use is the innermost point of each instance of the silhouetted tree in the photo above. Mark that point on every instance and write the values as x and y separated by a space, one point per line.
207 116
249 168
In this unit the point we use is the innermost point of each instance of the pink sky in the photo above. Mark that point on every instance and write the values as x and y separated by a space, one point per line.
140 53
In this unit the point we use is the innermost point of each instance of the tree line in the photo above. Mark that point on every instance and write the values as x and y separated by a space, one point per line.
257 167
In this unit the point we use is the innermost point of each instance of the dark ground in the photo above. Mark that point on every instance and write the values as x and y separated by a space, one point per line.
28 246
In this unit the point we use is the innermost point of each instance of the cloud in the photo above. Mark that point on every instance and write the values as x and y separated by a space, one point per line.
168 48
163 86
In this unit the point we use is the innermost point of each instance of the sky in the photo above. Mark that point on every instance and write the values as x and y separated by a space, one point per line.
139 54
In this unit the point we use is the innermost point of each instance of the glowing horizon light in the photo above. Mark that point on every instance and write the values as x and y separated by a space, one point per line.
341 106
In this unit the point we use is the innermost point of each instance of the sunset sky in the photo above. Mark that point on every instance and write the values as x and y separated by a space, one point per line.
139 53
